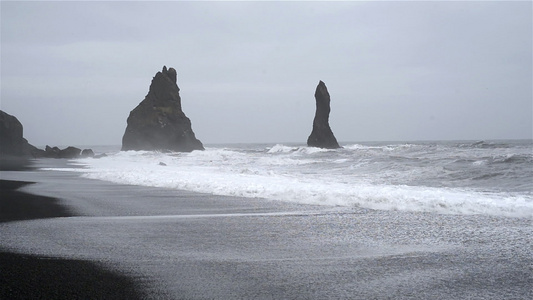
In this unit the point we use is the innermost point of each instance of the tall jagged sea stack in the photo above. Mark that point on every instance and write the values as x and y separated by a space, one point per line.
158 122
322 136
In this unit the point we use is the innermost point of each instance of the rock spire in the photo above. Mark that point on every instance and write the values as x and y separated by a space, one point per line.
158 122
322 136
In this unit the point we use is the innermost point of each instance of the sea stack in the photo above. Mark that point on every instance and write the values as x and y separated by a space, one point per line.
158 122
322 136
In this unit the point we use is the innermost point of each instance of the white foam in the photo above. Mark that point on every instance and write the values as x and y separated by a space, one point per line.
479 163
284 177
281 148
298 150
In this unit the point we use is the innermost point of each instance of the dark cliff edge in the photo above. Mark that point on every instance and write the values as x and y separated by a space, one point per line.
158 122
16 153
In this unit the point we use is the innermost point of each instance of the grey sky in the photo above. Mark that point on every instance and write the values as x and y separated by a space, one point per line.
72 71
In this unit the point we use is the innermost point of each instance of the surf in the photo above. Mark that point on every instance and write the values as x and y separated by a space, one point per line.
403 177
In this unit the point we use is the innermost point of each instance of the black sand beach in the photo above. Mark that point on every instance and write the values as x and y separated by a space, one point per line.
181 245
36 277
26 276
16 205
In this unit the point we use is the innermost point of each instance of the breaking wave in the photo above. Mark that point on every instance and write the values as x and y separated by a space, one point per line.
423 178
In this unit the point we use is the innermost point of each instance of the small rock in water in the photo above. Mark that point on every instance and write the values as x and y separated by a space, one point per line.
87 153
162 163
100 155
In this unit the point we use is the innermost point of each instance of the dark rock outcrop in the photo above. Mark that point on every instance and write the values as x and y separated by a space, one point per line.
322 136
69 152
34 151
13 147
158 122
87 153
51 152
15 151
11 140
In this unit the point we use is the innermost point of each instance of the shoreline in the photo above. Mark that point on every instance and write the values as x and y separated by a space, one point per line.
183 245
17 206
26 276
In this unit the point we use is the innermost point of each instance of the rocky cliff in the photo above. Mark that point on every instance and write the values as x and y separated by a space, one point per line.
11 140
322 136
14 147
158 122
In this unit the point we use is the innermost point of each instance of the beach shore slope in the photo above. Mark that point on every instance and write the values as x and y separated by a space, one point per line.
181 245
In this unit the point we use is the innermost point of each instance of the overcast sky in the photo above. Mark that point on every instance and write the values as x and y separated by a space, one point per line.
396 71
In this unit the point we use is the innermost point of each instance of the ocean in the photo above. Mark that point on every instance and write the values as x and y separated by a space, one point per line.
446 177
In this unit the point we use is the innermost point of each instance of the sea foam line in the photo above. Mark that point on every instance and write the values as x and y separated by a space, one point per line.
315 191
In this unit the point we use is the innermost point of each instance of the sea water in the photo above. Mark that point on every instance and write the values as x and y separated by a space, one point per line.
491 178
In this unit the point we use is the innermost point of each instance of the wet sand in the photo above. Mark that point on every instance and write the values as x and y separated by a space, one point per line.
16 205
24 276
181 245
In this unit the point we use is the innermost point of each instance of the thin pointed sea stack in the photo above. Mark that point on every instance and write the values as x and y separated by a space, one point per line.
322 136
158 122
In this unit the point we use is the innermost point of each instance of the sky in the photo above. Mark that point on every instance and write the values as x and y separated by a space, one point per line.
396 71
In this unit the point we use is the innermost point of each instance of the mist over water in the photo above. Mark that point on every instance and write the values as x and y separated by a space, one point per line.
493 178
